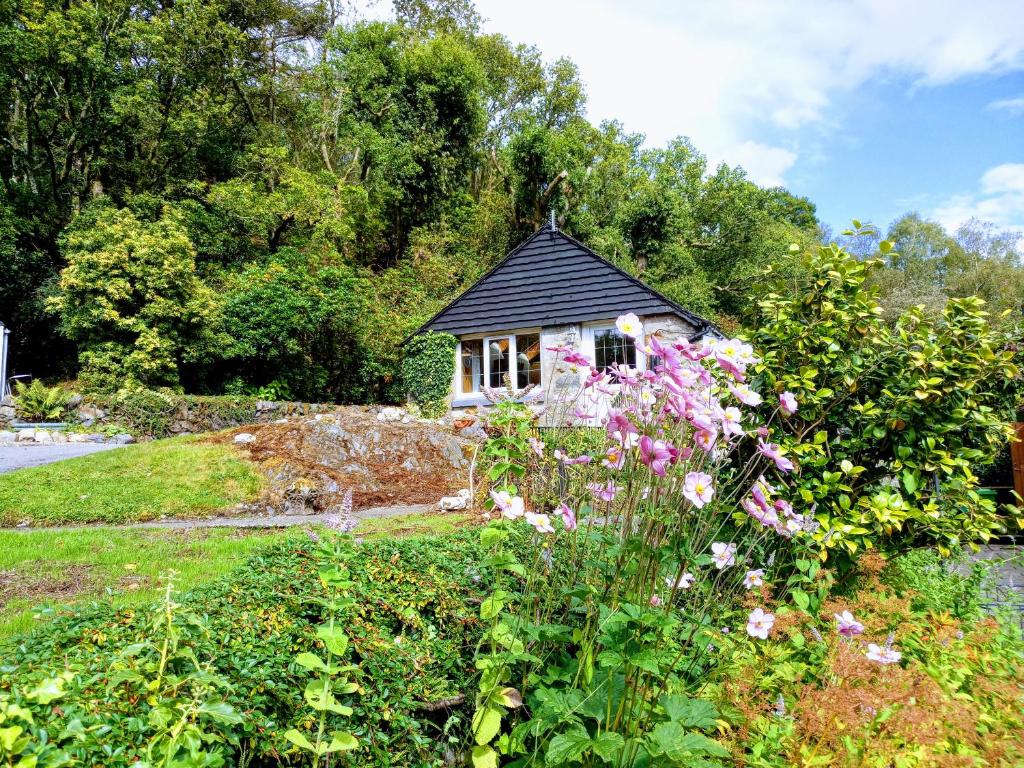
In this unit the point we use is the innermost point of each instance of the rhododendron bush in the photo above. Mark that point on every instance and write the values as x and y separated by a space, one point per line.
659 495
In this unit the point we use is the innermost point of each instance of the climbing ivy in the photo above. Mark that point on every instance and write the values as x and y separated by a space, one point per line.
427 370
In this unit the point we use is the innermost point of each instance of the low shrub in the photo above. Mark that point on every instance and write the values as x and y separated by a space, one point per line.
942 585
410 624
37 402
892 683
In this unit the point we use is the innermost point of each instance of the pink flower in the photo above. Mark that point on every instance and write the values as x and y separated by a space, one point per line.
698 488
745 394
567 459
606 492
619 427
754 579
540 521
656 454
685 581
629 325
733 356
883 655
537 446
614 457
706 439
787 402
656 601
568 516
847 625
593 378
723 555
773 452
732 421
576 358
511 507
759 623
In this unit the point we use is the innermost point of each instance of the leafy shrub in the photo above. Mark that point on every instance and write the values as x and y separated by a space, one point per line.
37 402
410 622
921 402
131 298
427 370
947 693
939 584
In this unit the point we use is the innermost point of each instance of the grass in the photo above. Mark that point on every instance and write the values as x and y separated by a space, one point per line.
178 478
419 524
40 571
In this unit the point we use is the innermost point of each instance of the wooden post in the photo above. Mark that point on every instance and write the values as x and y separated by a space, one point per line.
1017 454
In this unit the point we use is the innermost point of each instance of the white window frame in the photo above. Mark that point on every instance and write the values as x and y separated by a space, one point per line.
589 349
477 398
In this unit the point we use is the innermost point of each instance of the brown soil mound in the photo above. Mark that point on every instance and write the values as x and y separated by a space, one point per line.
310 462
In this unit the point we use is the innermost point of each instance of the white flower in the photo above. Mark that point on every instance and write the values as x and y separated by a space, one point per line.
629 325
511 506
754 579
685 581
883 655
540 521
759 623
723 554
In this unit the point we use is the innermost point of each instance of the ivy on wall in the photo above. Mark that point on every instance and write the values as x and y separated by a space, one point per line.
427 371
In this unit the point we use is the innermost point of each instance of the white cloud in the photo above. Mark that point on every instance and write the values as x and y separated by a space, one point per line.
999 200
736 75
1014 106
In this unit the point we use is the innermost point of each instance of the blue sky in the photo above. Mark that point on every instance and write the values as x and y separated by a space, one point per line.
869 107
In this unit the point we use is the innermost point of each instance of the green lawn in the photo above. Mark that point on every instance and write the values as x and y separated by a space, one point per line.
42 571
180 477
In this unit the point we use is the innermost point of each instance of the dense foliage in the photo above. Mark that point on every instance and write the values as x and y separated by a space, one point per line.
427 371
223 197
408 622
895 418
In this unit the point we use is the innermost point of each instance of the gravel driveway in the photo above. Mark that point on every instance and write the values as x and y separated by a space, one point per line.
18 456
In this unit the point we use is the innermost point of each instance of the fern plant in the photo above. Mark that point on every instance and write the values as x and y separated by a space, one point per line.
37 402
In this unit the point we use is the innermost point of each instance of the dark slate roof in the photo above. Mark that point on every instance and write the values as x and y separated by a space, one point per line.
553 279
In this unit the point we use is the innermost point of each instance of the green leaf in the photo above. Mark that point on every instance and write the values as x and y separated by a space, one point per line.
333 637
802 599
220 711
299 740
484 757
486 722
493 604
690 713
490 536
909 481
8 736
676 744
48 690
608 746
567 747
342 741
310 661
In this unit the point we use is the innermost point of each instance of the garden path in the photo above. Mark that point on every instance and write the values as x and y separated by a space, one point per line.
17 456
256 521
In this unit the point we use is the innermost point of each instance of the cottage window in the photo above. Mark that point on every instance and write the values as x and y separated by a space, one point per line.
472 365
527 360
498 353
495 361
611 346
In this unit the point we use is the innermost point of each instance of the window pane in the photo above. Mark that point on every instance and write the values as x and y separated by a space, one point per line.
472 365
527 360
497 358
610 346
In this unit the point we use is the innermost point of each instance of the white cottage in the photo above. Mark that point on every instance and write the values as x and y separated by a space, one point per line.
551 290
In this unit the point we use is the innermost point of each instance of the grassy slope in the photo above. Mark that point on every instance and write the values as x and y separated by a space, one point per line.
180 477
45 570
41 572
